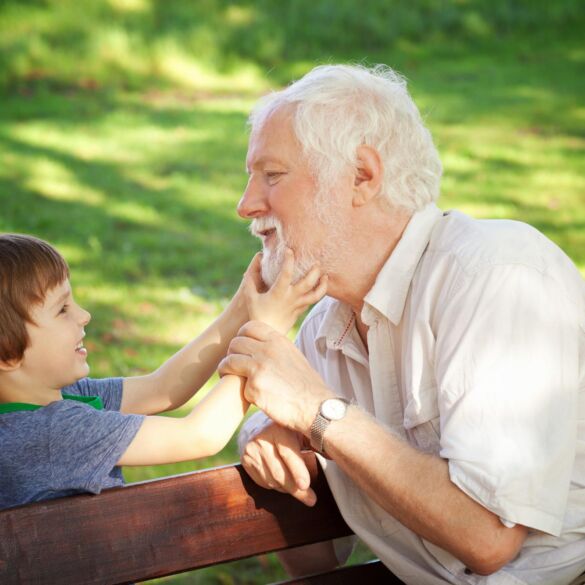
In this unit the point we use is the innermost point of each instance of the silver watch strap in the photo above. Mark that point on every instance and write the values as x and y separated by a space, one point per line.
318 432
320 424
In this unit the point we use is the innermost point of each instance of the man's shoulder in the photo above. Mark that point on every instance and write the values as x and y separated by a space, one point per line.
478 243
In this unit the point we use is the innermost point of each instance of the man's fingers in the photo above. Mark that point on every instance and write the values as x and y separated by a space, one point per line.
256 330
266 466
243 345
296 465
307 497
251 469
237 364
273 459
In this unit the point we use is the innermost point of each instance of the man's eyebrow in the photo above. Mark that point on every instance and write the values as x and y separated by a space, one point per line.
263 161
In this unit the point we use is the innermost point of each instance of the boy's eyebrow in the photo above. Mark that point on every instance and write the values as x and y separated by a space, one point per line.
64 296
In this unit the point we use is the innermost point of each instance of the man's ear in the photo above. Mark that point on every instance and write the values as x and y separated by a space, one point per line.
10 365
369 173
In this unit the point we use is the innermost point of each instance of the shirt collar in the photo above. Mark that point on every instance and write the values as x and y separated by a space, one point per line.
388 295
335 326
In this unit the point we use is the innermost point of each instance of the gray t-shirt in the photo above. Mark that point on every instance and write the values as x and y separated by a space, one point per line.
66 447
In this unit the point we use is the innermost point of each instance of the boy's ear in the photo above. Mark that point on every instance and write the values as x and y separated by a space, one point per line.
368 176
10 365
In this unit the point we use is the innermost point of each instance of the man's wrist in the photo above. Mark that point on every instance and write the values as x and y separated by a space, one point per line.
330 412
311 410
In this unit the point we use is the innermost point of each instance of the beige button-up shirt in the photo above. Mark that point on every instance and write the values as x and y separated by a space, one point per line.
477 355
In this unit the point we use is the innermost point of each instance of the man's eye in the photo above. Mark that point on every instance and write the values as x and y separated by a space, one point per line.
273 175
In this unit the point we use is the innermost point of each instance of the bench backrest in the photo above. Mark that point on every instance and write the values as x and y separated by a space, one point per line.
159 527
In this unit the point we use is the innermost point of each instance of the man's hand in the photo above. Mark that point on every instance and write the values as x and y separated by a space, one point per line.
280 380
273 459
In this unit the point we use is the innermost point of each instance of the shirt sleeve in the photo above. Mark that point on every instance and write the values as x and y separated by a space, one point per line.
507 372
85 444
108 389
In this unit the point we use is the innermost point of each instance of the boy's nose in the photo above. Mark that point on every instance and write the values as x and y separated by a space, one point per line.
85 317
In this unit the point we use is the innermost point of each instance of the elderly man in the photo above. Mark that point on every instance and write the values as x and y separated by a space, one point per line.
442 378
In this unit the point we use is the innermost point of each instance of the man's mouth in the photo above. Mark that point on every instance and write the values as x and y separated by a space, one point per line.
265 228
264 234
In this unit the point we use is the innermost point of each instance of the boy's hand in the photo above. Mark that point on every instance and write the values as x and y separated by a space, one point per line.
281 305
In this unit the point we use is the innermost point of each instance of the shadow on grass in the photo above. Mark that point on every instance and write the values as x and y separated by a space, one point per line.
181 225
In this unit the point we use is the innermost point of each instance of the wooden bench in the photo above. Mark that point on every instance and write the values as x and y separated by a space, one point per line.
165 526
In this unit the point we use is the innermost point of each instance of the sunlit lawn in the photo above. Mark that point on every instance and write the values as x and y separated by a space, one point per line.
138 190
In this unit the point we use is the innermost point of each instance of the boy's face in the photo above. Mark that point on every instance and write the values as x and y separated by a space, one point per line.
55 356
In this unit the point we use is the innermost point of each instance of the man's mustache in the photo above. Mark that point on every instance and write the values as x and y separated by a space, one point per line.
264 224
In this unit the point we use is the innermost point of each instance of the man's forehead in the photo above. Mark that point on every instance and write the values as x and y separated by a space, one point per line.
272 141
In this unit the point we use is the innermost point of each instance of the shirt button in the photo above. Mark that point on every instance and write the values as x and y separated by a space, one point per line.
468 571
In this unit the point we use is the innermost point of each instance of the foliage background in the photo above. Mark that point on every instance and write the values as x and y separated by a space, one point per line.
123 138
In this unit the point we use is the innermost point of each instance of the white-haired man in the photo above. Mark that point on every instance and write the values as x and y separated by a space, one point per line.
443 376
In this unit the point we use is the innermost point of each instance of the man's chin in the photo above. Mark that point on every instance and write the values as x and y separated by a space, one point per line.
269 269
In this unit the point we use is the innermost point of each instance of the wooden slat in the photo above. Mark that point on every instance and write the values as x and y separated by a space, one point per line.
367 573
157 528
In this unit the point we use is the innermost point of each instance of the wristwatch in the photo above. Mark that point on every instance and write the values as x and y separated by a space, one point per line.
329 410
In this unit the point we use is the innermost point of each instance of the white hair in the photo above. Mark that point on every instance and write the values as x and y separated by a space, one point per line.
337 108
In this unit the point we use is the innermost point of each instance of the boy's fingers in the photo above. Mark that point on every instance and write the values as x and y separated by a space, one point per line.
317 293
255 274
285 276
310 279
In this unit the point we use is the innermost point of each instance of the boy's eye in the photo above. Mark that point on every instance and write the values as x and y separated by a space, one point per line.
63 309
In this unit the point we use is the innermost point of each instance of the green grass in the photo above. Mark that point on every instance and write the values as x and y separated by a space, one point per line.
134 172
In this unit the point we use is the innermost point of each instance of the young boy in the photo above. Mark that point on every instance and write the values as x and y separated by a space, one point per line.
63 433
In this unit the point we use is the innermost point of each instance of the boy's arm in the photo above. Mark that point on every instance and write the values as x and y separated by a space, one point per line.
182 375
204 432
209 426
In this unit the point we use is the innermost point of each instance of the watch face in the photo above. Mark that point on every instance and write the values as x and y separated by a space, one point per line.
333 409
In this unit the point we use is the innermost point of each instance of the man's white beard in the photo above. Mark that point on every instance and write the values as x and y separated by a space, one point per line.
273 258
325 209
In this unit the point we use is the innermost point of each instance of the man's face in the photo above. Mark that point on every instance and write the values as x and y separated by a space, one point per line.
284 203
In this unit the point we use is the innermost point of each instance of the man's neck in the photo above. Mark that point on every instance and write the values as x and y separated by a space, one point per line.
365 254
367 251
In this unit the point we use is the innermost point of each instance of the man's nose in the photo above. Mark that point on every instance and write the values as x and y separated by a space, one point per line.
253 202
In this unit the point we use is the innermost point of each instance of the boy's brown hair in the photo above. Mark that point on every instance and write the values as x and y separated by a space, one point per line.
29 268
